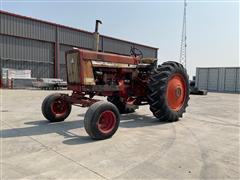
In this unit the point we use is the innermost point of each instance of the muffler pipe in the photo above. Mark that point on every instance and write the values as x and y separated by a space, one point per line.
96 36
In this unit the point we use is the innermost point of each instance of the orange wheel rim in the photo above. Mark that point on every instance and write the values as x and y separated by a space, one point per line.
176 92
106 122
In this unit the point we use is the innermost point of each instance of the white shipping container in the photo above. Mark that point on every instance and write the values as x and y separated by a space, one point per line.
218 79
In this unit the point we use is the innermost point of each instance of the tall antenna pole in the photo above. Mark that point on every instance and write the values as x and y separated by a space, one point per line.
183 49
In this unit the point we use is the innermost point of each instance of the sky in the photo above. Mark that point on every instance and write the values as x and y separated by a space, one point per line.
212 26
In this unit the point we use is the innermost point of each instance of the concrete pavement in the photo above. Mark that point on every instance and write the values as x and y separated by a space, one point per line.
204 144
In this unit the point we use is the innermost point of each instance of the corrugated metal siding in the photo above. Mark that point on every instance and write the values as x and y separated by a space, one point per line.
75 38
122 47
29 53
219 79
39 70
230 79
100 43
27 28
63 73
238 80
213 79
25 49
20 53
63 49
115 46
147 52
201 78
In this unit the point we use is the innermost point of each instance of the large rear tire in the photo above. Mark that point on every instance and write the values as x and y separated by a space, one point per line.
101 120
168 91
55 108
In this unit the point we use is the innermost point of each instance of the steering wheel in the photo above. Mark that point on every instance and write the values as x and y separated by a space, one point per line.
136 52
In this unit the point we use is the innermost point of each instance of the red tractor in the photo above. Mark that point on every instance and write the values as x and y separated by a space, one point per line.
126 81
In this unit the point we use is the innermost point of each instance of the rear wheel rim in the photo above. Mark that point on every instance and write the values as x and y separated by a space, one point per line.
106 122
59 107
176 92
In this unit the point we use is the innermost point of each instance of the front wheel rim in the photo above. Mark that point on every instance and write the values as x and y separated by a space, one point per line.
106 122
176 92
59 107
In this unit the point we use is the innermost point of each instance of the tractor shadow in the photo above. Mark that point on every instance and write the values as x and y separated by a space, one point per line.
43 127
132 120
135 120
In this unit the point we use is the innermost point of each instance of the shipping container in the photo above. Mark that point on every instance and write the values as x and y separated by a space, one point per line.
219 79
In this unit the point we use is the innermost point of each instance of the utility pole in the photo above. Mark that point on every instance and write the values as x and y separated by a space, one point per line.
183 49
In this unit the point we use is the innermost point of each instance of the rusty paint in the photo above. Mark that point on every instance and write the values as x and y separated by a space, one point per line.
107 57
88 73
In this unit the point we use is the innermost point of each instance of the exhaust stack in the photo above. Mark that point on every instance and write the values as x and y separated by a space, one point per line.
96 36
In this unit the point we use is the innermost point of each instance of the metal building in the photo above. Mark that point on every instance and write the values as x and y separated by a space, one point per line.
39 46
220 79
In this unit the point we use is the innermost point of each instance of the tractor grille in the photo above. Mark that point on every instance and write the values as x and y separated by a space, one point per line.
73 68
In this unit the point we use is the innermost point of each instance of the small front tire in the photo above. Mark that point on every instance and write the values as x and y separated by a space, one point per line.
101 120
55 108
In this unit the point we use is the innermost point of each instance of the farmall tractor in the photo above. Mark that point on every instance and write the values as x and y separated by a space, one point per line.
126 81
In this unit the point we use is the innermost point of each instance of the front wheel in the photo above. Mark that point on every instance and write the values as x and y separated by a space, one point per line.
168 91
101 120
55 108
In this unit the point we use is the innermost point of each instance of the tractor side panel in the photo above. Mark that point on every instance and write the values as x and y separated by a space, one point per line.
88 73
73 68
